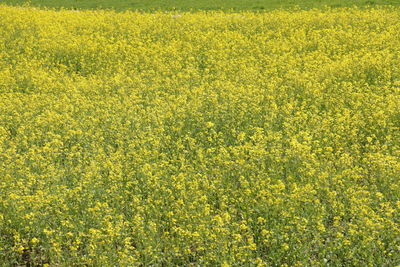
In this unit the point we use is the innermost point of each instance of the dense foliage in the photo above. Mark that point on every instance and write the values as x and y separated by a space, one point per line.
200 139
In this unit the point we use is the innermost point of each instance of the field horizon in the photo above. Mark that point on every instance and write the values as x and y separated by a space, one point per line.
193 5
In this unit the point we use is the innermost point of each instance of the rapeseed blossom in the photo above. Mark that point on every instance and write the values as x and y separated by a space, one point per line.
201 138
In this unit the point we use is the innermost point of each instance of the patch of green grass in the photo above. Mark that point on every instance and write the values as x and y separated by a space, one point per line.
186 5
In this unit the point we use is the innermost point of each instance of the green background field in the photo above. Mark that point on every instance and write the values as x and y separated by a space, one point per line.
149 5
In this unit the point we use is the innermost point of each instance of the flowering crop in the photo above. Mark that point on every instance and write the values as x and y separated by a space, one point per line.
200 138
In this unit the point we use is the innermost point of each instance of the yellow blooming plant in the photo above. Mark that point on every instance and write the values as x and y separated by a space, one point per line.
208 138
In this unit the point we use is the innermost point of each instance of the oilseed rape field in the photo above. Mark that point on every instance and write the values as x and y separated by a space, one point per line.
200 139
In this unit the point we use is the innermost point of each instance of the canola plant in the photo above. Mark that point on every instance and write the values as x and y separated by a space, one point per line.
206 138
